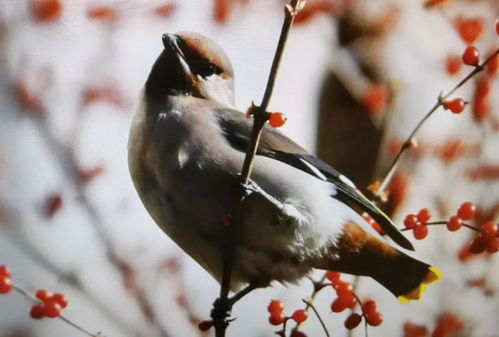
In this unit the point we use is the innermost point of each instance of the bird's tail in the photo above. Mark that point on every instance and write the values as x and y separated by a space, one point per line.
360 253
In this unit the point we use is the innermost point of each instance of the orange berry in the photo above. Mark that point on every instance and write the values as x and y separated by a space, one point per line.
453 65
277 319
490 229
277 119
456 105
275 306
46 10
454 223
300 316
467 210
470 30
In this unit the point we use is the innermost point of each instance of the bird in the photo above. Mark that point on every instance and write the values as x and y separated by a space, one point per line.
186 147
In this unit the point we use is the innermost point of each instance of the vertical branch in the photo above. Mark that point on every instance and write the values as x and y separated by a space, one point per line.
223 304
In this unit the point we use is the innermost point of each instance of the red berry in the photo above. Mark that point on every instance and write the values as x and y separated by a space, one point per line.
275 306
46 10
420 232
454 223
467 210
5 285
471 57
492 244
411 221
453 65
338 305
369 307
4 271
490 229
61 299
53 204
333 276
297 333
493 65
102 13
478 245
51 309
376 98
353 321
470 30
424 215
277 119
205 325
300 316
36 311
349 300
343 289
277 319
43 294
456 105
374 319
497 27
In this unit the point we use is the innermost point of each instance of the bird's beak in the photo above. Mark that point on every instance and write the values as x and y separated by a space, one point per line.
171 42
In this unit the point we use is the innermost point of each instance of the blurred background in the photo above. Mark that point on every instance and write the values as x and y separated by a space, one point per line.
356 78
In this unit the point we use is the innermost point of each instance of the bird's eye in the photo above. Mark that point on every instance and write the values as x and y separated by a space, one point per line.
206 69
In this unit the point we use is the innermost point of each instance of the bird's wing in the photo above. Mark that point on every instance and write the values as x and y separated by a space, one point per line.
237 129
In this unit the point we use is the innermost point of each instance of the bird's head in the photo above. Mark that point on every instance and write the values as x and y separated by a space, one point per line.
191 64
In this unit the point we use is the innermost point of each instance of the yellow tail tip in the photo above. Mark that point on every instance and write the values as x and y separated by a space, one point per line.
433 275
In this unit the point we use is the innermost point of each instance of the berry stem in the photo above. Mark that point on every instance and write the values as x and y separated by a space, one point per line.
440 100
310 304
443 223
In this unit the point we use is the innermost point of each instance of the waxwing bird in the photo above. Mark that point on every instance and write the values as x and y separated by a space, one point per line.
186 149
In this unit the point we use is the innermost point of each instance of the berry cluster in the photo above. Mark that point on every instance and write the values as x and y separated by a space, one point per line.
50 306
347 299
418 223
5 283
277 317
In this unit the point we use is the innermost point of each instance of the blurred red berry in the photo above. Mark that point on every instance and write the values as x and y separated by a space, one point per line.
300 316
481 104
165 11
5 285
353 321
374 319
434 3
297 333
277 119
46 10
102 13
420 232
411 221
493 65
456 105
415 330
43 294
343 289
471 56
53 204
61 299
338 305
424 215
478 245
51 309
222 10
467 210
36 311
4 271
275 306
277 318
454 223
313 8
490 229
448 325
369 307
492 244
333 276
497 27
453 65
376 99
205 325
470 30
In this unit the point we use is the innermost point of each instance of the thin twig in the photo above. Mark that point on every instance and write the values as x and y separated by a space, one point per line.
222 306
70 169
407 144
311 305
63 318
440 223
